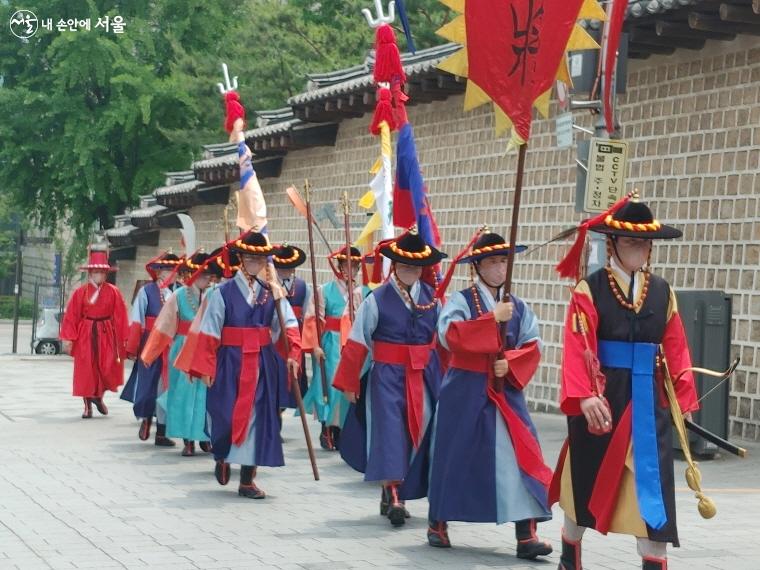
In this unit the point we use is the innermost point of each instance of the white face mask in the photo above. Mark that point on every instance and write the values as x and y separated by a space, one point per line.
408 274
493 273
253 264
632 254
203 281
98 277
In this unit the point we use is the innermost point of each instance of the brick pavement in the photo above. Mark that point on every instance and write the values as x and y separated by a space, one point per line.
88 494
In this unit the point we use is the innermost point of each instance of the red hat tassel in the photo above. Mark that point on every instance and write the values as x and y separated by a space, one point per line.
227 269
166 282
570 265
440 292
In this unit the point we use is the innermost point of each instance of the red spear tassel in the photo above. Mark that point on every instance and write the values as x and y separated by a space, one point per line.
234 110
399 104
570 266
383 111
440 292
388 66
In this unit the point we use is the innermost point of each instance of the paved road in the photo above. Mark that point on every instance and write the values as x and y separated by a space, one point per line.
89 494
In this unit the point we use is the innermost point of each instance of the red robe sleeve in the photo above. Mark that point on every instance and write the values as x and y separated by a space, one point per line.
576 380
72 317
204 358
523 363
352 357
294 340
676 350
162 335
479 336
134 334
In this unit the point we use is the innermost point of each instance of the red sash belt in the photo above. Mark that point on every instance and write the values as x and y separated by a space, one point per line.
149 322
250 340
298 311
332 324
414 357
527 450
183 327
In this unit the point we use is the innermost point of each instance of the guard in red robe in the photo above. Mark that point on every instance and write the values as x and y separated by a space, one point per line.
94 332
615 471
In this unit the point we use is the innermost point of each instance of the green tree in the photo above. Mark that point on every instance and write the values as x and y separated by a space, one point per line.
91 119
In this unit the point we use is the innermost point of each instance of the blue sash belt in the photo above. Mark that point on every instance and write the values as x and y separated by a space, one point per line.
639 358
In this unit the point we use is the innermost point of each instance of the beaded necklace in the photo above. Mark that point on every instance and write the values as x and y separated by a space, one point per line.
250 278
408 298
194 305
616 288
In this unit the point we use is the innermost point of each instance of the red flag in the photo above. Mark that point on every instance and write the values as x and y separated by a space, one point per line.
514 49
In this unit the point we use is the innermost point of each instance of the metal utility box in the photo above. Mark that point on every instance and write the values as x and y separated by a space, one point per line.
706 316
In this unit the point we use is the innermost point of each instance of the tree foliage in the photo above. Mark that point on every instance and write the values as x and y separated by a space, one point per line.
92 119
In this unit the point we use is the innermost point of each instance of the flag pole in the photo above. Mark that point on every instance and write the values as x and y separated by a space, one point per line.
506 298
312 259
515 220
296 389
349 273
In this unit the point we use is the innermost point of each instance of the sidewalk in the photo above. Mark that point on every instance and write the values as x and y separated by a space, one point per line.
89 494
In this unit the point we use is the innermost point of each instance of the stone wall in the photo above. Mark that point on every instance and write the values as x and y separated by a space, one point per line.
693 121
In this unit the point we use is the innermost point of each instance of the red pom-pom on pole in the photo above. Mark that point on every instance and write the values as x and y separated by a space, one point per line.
383 111
234 110
388 68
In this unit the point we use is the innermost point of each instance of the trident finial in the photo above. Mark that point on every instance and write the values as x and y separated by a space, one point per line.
227 86
381 17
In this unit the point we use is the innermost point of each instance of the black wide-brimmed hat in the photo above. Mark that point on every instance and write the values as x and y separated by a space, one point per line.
340 255
634 219
252 242
411 249
197 261
165 260
489 244
288 256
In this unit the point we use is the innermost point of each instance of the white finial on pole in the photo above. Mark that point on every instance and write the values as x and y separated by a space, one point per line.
227 85
376 22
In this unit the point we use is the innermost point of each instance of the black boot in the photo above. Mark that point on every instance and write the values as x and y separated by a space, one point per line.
248 488
385 501
87 413
652 563
205 446
144 432
161 439
438 534
100 405
325 438
222 472
396 509
571 555
528 544
335 433
189 449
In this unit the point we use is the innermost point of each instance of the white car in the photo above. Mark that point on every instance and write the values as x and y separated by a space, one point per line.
47 339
